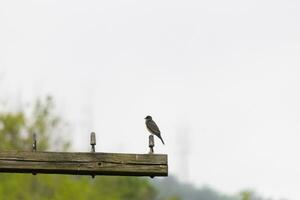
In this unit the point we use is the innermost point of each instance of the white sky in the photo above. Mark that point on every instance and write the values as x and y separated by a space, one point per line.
221 79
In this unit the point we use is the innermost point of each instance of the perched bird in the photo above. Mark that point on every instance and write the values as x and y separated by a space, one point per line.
153 128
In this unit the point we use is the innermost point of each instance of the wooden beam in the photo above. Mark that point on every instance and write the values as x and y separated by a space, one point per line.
79 163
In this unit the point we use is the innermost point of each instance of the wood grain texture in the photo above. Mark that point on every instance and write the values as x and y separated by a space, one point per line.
84 163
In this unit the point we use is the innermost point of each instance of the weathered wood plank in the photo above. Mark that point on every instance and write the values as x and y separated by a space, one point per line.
84 163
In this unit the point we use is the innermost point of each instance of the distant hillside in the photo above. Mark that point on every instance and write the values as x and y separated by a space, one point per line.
171 187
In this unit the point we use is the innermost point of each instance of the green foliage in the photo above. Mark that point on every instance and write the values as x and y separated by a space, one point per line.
16 129
12 124
245 195
59 187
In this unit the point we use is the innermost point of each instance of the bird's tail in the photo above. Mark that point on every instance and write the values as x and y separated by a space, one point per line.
161 140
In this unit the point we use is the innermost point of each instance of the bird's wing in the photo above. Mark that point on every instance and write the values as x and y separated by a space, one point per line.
153 127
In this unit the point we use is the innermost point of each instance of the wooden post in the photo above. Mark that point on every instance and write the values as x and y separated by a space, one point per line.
84 163
79 163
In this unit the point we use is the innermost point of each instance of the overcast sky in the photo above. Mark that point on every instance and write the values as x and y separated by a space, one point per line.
220 78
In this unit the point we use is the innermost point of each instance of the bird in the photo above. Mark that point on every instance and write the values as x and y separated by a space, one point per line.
153 128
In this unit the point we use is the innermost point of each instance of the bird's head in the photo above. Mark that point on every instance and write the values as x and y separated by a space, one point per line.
148 117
